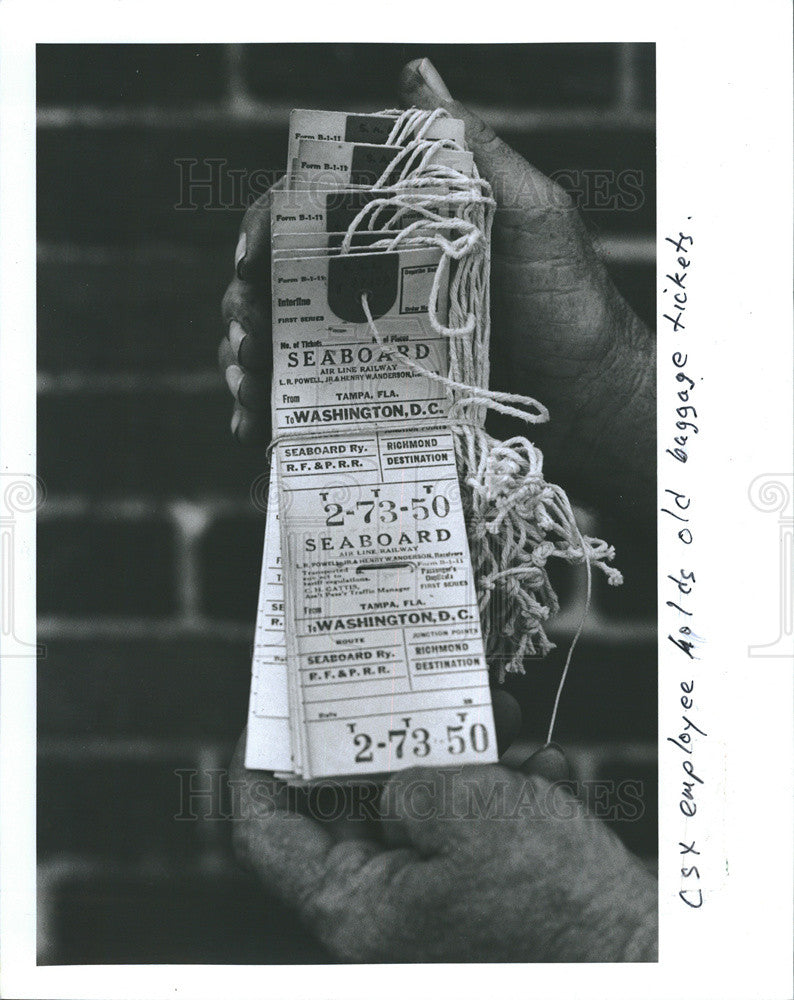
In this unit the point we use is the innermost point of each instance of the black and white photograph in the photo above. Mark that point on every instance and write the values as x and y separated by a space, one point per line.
373 614
153 168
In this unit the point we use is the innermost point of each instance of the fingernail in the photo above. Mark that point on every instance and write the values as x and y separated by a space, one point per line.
239 253
549 762
432 79
236 336
234 376
237 416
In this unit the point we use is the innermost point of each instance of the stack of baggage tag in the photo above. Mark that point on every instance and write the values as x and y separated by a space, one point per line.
368 653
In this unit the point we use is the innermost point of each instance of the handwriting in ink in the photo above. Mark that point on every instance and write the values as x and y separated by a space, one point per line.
678 280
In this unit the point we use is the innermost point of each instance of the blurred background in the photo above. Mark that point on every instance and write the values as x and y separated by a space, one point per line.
148 543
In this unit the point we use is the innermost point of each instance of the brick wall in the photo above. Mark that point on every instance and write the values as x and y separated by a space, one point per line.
148 545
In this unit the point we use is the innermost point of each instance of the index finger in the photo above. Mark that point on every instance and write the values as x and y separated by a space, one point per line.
291 853
252 258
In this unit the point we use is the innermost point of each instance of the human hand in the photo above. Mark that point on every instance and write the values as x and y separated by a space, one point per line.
560 330
245 353
478 864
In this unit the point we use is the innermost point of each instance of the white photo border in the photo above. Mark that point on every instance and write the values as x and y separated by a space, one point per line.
724 171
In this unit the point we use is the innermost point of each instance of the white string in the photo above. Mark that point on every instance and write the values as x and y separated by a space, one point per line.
571 648
477 395
516 521
517 495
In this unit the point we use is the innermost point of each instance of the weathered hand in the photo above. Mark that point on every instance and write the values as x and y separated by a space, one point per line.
478 864
245 353
561 332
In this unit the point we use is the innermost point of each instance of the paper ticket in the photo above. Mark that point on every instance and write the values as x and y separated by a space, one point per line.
368 650
319 210
268 741
328 370
341 126
345 163
381 615
317 244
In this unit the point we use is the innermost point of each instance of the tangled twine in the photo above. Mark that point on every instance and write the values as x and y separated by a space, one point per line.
516 520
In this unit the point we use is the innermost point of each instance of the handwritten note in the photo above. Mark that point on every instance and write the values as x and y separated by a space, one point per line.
679 583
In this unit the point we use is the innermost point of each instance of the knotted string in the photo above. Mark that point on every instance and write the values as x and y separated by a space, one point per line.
516 521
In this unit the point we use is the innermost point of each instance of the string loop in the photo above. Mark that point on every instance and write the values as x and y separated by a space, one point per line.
516 520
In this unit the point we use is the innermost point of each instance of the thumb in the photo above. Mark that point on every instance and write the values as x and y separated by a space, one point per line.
549 762
430 809
516 184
